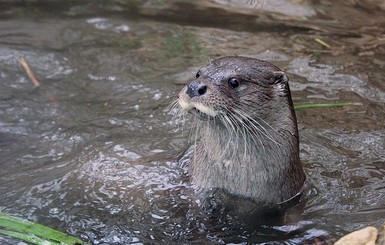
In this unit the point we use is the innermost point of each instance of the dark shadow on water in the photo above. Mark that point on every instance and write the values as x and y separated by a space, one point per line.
233 219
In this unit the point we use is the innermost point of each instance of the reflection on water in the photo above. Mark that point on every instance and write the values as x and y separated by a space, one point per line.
93 151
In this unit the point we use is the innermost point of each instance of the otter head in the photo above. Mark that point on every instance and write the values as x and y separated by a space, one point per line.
235 89
249 139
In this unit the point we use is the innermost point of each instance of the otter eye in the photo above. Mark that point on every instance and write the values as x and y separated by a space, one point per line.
198 75
233 82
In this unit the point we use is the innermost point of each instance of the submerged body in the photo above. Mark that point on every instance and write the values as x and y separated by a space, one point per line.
247 129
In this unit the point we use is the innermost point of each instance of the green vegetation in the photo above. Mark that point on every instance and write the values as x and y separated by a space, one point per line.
306 106
34 233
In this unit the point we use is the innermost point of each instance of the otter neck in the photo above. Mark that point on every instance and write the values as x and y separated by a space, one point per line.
262 165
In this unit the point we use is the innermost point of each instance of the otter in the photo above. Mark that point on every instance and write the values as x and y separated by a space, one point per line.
248 136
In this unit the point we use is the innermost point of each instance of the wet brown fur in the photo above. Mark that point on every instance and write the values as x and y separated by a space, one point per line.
247 137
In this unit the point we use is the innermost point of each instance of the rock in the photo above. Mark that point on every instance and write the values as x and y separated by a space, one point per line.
366 236
381 235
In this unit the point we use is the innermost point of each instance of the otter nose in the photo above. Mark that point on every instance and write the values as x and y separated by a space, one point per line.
196 88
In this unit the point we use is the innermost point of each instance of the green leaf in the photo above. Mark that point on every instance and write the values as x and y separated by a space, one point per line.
24 229
27 237
306 106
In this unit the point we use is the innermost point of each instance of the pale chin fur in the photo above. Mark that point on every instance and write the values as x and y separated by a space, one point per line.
202 108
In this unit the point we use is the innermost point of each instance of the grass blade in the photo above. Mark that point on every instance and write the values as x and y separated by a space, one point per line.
17 226
306 106
27 237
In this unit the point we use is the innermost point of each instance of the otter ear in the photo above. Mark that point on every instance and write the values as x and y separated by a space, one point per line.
280 77
281 82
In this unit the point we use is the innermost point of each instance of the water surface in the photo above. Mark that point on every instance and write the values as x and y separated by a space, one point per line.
93 151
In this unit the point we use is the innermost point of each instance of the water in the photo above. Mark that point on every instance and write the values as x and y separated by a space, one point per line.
93 151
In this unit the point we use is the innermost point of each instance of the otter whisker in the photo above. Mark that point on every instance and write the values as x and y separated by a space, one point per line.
249 123
197 126
255 133
260 108
240 128
229 125
271 136
254 123
179 115
174 104
233 131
